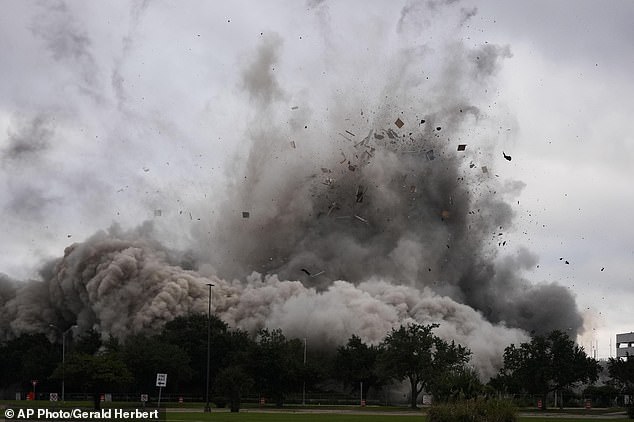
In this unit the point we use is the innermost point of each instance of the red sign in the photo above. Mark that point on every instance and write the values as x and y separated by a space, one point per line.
588 404
539 404
180 400
262 401
362 403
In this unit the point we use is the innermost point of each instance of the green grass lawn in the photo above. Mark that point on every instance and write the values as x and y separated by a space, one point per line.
336 417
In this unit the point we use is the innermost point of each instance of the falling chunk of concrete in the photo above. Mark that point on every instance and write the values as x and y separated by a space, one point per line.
158 213
360 194
363 220
485 169
462 147
246 214
399 123
507 157
293 145
294 108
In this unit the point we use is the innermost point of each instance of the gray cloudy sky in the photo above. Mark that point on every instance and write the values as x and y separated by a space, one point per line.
110 111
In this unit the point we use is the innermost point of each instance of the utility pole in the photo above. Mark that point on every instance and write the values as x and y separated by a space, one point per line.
63 357
207 407
304 386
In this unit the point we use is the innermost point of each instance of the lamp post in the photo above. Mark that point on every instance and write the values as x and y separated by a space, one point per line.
63 357
207 407
304 384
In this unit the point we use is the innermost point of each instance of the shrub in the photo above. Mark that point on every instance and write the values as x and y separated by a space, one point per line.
473 411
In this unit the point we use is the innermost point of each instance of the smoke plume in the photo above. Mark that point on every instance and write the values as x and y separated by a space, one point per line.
375 205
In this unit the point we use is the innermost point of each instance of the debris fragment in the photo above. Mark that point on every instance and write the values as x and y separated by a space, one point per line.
350 133
352 167
306 271
430 155
471 165
485 169
158 213
318 274
293 145
378 136
294 108
567 263
444 214
438 128
602 268
361 219
246 214
508 157
462 147
399 123
70 235
325 170
422 121
145 169
360 193
391 134
412 189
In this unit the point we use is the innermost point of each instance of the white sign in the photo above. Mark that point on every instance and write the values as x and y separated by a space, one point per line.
144 398
53 397
161 380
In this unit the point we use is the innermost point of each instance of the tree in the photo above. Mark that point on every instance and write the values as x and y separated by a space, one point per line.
95 373
356 363
547 364
622 373
189 332
277 364
414 353
29 357
462 383
147 356
234 382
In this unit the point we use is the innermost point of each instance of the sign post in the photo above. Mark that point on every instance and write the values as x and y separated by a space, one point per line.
34 382
161 381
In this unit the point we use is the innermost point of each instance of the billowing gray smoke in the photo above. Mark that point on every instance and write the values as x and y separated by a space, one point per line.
377 207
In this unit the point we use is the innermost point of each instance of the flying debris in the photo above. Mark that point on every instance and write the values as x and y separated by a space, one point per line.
485 169
507 157
306 271
462 147
246 214
399 123
158 213
293 145
603 268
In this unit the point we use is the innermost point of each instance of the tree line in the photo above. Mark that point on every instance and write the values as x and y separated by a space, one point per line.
273 366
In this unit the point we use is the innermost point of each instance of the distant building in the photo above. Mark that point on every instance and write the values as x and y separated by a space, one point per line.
625 345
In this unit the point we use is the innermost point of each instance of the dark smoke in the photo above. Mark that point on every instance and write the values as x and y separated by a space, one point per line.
335 222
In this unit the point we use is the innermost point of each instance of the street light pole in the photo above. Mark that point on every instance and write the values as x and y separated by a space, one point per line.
304 385
207 407
63 357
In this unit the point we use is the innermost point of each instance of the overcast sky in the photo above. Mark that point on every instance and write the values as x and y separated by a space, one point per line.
111 111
